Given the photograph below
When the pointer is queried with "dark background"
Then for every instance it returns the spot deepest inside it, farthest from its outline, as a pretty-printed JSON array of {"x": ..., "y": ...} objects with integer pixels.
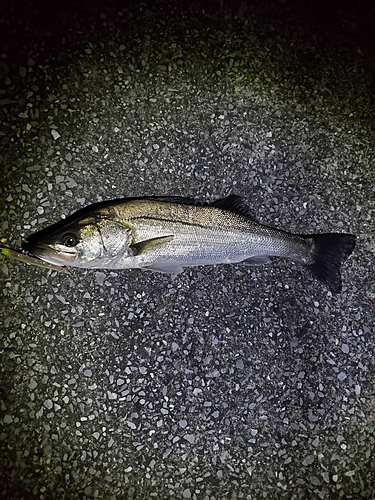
[{"x": 226, "y": 382}]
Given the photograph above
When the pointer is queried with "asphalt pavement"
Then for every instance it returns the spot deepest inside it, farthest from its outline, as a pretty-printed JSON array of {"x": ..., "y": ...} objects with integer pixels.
[{"x": 224, "y": 382}]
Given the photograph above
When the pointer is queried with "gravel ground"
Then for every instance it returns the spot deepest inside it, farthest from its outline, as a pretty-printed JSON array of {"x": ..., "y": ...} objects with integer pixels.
[{"x": 225, "y": 382}]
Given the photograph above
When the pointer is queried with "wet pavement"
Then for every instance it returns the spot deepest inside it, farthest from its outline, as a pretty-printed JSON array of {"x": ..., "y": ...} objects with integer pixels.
[{"x": 224, "y": 382}]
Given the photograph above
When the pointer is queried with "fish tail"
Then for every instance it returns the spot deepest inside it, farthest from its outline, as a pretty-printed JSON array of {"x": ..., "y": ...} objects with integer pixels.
[{"x": 329, "y": 251}]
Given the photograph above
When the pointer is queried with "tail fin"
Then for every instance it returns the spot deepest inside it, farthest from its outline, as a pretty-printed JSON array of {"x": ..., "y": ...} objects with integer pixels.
[{"x": 329, "y": 251}]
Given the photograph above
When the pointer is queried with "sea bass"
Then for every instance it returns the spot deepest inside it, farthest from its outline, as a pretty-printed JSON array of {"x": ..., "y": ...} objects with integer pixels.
[{"x": 168, "y": 234}]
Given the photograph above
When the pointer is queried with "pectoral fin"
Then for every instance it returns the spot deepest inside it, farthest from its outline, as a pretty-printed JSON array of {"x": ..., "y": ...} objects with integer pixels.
[{"x": 148, "y": 245}]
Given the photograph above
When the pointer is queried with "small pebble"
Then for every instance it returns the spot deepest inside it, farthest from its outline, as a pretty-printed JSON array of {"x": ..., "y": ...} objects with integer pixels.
[
  {"x": 55, "y": 134},
  {"x": 308, "y": 460},
  {"x": 32, "y": 384},
  {"x": 239, "y": 364},
  {"x": 48, "y": 404},
  {"x": 190, "y": 438},
  {"x": 345, "y": 348}
]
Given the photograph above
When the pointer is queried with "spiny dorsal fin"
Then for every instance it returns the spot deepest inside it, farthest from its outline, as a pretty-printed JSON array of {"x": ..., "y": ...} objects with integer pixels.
[
  {"x": 234, "y": 203},
  {"x": 183, "y": 200}
]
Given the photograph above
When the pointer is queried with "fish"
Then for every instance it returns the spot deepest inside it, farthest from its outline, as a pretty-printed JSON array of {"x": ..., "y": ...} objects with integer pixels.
[{"x": 168, "y": 234}]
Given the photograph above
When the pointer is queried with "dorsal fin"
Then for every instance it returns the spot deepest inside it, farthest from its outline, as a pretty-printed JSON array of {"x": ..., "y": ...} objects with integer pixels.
[
  {"x": 234, "y": 203},
  {"x": 183, "y": 200}
]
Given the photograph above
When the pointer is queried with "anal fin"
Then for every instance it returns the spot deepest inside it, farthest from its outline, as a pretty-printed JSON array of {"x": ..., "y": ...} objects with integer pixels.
[
  {"x": 258, "y": 260},
  {"x": 165, "y": 268}
]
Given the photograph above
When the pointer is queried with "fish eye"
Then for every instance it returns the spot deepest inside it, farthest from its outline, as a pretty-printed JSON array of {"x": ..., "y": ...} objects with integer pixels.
[{"x": 70, "y": 240}]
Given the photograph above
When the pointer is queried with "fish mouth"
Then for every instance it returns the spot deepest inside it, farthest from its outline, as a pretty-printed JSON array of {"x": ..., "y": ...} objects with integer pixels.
[{"x": 49, "y": 254}]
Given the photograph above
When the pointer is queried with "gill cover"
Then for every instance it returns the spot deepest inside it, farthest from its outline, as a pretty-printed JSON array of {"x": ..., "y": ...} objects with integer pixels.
[
  {"x": 100, "y": 241},
  {"x": 92, "y": 240}
]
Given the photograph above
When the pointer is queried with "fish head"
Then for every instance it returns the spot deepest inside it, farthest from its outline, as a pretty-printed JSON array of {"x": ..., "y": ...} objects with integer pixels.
[{"x": 93, "y": 241}]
